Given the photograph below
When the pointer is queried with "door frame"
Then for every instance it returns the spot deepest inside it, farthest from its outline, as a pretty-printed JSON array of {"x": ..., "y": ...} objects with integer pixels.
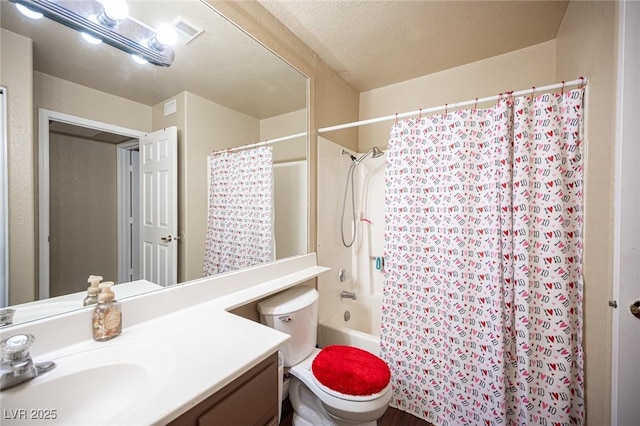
[
  {"x": 625, "y": 377},
  {"x": 44, "y": 117},
  {"x": 126, "y": 253}
]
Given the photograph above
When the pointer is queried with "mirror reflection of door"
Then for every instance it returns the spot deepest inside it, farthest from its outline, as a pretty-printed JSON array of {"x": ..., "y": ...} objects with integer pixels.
[
  {"x": 94, "y": 205},
  {"x": 159, "y": 206},
  {"x": 83, "y": 197}
]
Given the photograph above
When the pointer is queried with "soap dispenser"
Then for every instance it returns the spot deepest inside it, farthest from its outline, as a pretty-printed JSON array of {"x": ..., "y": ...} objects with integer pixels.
[
  {"x": 107, "y": 315},
  {"x": 93, "y": 290}
]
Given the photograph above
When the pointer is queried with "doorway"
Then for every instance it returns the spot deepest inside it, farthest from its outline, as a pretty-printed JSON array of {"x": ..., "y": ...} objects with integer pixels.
[{"x": 89, "y": 202}]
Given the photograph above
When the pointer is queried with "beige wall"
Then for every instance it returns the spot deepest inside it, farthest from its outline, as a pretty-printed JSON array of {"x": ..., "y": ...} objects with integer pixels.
[
  {"x": 532, "y": 66},
  {"x": 82, "y": 212},
  {"x": 60, "y": 95},
  {"x": 16, "y": 64},
  {"x": 284, "y": 125},
  {"x": 206, "y": 127},
  {"x": 586, "y": 46}
]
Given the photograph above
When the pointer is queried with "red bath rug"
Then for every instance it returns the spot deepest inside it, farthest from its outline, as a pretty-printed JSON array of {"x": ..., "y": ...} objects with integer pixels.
[{"x": 350, "y": 370}]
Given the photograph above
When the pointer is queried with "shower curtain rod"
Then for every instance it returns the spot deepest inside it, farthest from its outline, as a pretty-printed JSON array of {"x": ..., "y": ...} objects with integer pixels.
[
  {"x": 258, "y": 144},
  {"x": 579, "y": 81}
]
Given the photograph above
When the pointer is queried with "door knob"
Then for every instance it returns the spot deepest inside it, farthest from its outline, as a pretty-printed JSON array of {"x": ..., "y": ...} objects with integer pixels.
[
  {"x": 169, "y": 238},
  {"x": 635, "y": 309}
]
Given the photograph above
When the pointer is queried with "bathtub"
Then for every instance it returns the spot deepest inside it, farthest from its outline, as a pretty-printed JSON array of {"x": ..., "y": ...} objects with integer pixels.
[{"x": 333, "y": 334}]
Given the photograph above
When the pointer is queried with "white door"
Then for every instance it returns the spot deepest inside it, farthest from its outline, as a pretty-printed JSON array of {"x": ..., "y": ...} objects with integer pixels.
[
  {"x": 159, "y": 206},
  {"x": 626, "y": 347}
]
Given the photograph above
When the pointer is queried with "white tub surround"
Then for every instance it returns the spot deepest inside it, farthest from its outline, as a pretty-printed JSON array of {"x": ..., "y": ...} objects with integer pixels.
[
  {"x": 359, "y": 261},
  {"x": 203, "y": 346}
]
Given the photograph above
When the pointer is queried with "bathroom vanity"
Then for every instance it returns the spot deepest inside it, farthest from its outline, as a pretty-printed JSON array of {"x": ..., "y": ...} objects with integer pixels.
[
  {"x": 251, "y": 399},
  {"x": 182, "y": 358}
]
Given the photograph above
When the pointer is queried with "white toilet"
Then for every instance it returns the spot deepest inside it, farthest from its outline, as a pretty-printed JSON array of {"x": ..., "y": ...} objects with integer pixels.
[{"x": 344, "y": 386}]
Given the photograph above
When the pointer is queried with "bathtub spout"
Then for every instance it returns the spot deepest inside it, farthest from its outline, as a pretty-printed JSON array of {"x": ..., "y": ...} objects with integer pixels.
[{"x": 348, "y": 295}]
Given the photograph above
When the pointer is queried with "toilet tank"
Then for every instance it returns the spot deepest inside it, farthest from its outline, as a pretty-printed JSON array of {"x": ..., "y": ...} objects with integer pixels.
[{"x": 294, "y": 312}]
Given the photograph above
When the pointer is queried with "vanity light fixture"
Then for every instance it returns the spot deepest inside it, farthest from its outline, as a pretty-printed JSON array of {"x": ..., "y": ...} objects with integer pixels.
[{"x": 109, "y": 21}]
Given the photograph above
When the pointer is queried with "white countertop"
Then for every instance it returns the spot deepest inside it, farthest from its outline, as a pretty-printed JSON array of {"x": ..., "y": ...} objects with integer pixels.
[
  {"x": 204, "y": 346},
  {"x": 57, "y": 305}
]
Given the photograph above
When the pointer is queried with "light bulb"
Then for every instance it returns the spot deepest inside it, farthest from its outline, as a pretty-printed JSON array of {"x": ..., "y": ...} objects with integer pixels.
[
  {"x": 115, "y": 9},
  {"x": 166, "y": 35},
  {"x": 28, "y": 12},
  {"x": 90, "y": 39},
  {"x": 138, "y": 59}
]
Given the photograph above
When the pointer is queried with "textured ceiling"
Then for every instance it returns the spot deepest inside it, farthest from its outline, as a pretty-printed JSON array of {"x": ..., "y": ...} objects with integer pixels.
[
  {"x": 223, "y": 65},
  {"x": 370, "y": 43},
  {"x": 373, "y": 43}
]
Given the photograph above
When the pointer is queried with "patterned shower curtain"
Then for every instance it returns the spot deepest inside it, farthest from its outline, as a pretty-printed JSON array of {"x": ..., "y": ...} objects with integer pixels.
[
  {"x": 240, "y": 225},
  {"x": 482, "y": 305}
]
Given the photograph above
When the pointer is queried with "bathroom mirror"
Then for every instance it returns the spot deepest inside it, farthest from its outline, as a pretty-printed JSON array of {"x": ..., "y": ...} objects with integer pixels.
[{"x": 221, "y": 78}]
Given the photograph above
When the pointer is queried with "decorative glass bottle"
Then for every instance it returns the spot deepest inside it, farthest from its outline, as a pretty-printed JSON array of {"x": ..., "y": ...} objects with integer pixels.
[{"x": 107, "y": 315}]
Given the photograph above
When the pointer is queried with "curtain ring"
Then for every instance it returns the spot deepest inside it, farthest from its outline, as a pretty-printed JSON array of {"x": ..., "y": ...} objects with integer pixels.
[
  {"x": 475, "y": 106},
  {"x": 396, "y": 118},
  {"x": 420, "y": 114},
  {"x": 581, "y": 82},
  {"x": 446, "y": 109},
  {"x": 562, "y": 89}
]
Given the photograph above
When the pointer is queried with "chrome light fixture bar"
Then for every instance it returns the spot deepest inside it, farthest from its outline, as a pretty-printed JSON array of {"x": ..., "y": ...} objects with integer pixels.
[{"x": 89, "y": 16}]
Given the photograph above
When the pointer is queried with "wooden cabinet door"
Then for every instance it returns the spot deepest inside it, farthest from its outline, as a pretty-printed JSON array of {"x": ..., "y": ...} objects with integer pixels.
[{"x": 251, "y": 399}]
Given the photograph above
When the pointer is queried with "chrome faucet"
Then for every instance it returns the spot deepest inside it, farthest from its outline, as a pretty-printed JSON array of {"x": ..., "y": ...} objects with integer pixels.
[
  {"x": 348, "y": 295},
  {"x": 17, "y": 366}
]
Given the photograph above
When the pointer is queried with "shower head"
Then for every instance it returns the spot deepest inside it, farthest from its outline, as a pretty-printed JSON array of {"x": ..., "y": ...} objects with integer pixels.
[{"x": 375, "y": 151}]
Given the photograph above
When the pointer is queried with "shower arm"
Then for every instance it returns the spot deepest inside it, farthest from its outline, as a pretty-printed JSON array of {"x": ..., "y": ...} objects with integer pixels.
[{"x": 376, "y": 153}]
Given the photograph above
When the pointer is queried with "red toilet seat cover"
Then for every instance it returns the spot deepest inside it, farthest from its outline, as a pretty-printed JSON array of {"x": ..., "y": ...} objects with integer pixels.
[{"x": 350, "y": 370}]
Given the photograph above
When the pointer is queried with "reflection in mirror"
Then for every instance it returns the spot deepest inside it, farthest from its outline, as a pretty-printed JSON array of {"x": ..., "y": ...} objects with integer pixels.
[{"x": 223, "y": 90}]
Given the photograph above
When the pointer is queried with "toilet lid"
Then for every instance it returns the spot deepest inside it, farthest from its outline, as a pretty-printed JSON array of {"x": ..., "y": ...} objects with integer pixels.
[{"x": 350, "y": 371}]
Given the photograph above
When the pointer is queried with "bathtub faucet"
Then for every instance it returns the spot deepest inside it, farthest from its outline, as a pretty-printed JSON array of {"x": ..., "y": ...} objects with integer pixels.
[{"x": 348, "y": 295}]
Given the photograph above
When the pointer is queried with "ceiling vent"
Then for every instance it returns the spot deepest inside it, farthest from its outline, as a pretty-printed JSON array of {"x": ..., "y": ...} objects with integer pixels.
[{"x": 186, "y": 31}]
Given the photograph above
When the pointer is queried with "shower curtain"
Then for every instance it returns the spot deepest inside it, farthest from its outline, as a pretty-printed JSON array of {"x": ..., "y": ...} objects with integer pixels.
[
  {"x": 482, "y": 304},
  {"x": 240, "y": 224}
]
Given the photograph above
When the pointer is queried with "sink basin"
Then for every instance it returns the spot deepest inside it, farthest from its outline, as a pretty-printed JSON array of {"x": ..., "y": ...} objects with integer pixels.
[{"x": 94, "y": 386}]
